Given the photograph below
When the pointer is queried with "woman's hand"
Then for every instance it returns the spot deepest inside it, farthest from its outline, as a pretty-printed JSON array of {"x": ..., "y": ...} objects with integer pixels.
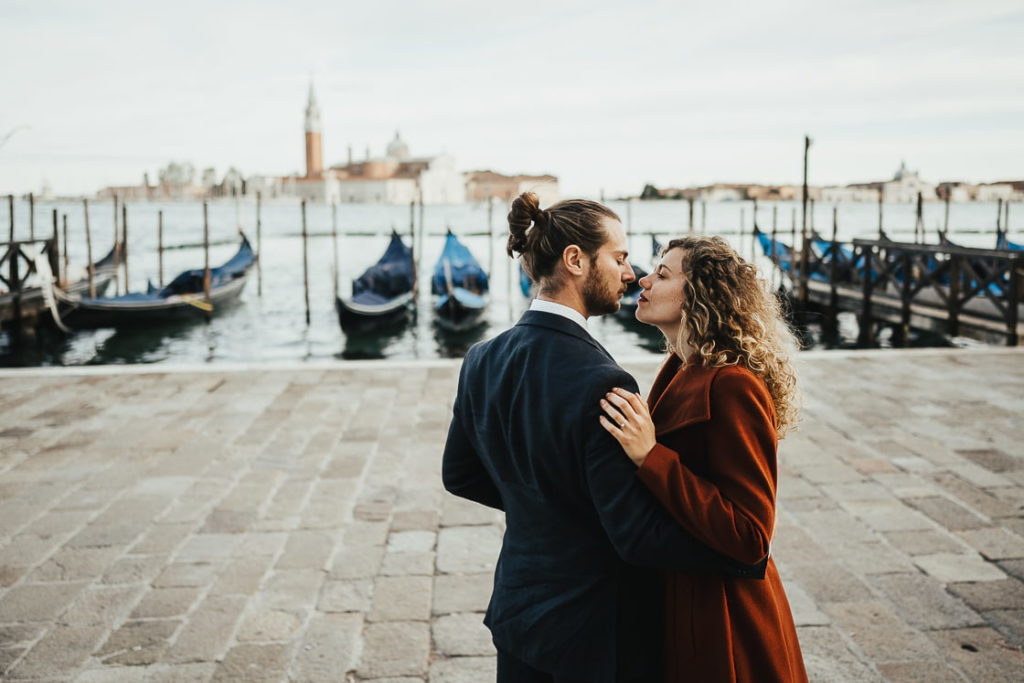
[{"x": 629, "y": 421}]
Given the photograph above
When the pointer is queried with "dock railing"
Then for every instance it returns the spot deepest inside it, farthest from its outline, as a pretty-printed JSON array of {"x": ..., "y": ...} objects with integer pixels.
[{"x": 932, "y": 281}]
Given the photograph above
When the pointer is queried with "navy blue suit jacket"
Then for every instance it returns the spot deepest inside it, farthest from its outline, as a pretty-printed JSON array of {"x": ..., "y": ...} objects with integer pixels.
[{"x": 570, "y": 595}]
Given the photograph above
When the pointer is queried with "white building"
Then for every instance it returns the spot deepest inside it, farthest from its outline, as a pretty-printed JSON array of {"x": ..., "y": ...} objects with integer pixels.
[{"x": 905, "y": 186}]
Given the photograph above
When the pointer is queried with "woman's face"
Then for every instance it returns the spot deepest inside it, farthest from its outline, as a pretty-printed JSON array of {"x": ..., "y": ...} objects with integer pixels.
[{"x": 661, "y": 302}]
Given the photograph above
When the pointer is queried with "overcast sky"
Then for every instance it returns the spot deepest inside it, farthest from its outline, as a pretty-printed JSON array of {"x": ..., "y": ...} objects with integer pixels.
[{"x": 607, "y": 95}]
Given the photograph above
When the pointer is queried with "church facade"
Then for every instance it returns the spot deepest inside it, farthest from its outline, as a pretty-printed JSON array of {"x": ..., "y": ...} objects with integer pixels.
[{"x": 397, "y": 177}]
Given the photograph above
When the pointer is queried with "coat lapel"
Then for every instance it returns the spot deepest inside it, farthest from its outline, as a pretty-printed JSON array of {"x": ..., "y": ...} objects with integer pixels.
[{"x": 680, "y": 396}]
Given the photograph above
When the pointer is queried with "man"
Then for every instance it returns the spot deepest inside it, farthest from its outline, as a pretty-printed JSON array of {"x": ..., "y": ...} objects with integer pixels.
[{"x": 570, "y": 602}]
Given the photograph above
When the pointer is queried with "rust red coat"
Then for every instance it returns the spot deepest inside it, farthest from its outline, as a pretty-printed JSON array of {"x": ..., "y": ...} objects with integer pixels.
[{"x": 714, "y": 469}]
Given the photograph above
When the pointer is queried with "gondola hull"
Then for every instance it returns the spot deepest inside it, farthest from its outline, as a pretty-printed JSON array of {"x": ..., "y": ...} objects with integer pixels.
[
  {"x": 460, "y": 311},
  {"x": 355, "y": 317},
  {"x": 182, "y": 299},
  {"x": 95, "y": 313}
]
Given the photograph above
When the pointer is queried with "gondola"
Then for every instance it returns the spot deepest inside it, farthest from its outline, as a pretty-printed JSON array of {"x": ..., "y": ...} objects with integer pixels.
[
  {"x": 384, "y": 295},
  {"x": 780, "y": 253},
  {"x": 460, "y": 287},
  {"x": 182, "y": 299}
]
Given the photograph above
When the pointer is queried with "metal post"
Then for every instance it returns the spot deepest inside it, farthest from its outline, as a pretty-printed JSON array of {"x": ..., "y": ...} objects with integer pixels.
[
  {"x": 305, "y": 261},
  {"x": 88, "y": 250}
]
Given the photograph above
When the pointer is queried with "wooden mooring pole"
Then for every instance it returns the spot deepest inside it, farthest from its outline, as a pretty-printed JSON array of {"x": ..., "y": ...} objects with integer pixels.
[
  {"x": 64, "y": 220},
  {"x": 10, "y": 212},
  {"x": 305, "y": 261},
  {"x": 833, "y": 295},
  {"x": 919, "y": 220},
  {"x": 703, "y": 217},
  {"x": 259, "y": 246},
  {"x": 88, "y": 250},
  {"x": 490, "y": 238},
  {"x": 124, "y": 239},
  {"x": 55, "y": 252},
  {"x": 945, "y": 222},
  {"x": 160, "y": 248},
  {"x": 689, "y": 201},
  {"x": 117, "y": 252},
  {"x": 881, "y": 196},
  {"x": 31, "y": 216},
  {"x": 206, "y": 259},
  {"x": 334, "y": 246},
  {"x": 803, "y": 229}
]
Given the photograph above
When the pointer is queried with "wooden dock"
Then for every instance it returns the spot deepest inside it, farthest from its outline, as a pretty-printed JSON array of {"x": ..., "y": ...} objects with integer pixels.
[
  {"x": 947, "y": 289},
  {"x": 288, "y": 523}
]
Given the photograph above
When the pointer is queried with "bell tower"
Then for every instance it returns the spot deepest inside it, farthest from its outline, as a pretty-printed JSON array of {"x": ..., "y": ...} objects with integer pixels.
[{"x": 314, "y": 146}]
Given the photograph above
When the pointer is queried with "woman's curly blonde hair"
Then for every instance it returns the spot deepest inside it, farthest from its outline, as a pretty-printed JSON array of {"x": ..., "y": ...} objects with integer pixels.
[{"x": 731, "y": 317}]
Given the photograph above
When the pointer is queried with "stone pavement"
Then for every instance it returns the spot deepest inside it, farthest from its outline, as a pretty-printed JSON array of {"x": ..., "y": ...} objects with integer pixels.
[{"x": 289, "y": 524}]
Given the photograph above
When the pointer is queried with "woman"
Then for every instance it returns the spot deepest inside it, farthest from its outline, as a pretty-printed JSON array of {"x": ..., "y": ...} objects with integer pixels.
[{"x": 705, "y": 445}]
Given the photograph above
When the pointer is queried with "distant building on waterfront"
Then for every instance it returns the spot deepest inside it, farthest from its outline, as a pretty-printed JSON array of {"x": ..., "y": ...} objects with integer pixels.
[
  {"x": 482, "y": 186},
  {"x": 394, "y": 178}
]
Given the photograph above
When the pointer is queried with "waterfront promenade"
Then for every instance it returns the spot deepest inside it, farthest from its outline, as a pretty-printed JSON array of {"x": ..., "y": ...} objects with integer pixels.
[{"x": 271, "y": 524}]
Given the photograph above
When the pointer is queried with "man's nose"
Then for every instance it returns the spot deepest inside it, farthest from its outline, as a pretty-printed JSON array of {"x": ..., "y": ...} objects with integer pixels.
[{"x": 629, "y": 275}]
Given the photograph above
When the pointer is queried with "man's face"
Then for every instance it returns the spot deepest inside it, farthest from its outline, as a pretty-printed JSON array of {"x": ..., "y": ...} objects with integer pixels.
[{"x": 609, "y": 273}]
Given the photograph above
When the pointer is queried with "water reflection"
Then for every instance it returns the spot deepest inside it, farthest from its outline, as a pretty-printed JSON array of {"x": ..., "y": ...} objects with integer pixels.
[
  {"x": 372, "y": 341},
  {"x": 455, "y": 343}
]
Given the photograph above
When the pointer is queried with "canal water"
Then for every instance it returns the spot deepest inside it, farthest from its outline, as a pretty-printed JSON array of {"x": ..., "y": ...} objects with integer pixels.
[{"x": 269, "y": 322}]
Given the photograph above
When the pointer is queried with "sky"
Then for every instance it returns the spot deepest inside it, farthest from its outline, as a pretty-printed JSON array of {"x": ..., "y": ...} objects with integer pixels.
[{"x": 606, "y": 95}]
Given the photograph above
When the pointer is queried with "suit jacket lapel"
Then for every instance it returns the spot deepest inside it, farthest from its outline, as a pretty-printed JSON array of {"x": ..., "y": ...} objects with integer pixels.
[{"x": 562, "y": 324}]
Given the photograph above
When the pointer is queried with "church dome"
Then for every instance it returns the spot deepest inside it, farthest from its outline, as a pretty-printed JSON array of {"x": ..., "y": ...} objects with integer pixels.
[{"x": 397, "y": 149}]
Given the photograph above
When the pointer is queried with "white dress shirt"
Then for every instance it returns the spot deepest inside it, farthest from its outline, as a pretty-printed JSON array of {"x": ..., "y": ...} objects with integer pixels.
[{"x": 560, "y": 309}]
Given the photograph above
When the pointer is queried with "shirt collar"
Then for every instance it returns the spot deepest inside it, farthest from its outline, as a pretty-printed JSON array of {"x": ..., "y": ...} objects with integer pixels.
[{"x": 559, "y": 309}]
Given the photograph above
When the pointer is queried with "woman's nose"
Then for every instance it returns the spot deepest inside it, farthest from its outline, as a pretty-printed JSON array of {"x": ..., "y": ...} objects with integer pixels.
[{"x": 645, "y": 282}]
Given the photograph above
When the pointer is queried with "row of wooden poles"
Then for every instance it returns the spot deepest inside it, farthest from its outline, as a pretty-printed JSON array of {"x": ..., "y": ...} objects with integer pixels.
[
  {"x": 60, "y": 237},
  {"x": 121, "y": 236}
]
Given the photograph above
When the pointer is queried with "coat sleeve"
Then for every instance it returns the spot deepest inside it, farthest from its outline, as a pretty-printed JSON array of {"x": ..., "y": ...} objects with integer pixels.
[
  {"x": 732, "y": 508},
  {"x": 641, "y": 532},
  {"x": 462, "y": 471}
]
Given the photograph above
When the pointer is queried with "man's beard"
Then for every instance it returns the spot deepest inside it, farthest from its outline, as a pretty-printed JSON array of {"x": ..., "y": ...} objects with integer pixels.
[{"x": 600, "y": 299}]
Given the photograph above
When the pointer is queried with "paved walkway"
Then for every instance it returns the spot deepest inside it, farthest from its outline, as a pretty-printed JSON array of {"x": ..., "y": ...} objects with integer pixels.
[{"x": 276, "y": 524}]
